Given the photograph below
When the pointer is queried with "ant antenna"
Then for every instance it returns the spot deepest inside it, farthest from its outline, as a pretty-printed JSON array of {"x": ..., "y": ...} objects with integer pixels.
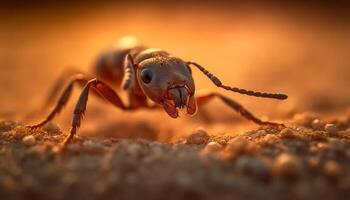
[
  {"x": 129, "y": 72},
  {"x": 218, "y": 83}
]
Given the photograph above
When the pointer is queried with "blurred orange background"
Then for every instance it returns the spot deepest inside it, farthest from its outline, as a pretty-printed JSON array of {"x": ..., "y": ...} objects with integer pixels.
[{"x": 299, "y": 49}]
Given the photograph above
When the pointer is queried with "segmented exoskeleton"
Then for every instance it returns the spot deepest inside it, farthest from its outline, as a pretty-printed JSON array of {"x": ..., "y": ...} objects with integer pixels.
[{"x": 145, "y": 73}]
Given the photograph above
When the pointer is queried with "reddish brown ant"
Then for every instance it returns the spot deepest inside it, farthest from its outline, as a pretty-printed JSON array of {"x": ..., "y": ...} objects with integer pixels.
[{"x": 146, "y": 73}]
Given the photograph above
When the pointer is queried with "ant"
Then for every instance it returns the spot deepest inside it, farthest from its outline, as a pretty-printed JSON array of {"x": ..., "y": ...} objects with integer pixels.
[{"x": 145, "y": 73}]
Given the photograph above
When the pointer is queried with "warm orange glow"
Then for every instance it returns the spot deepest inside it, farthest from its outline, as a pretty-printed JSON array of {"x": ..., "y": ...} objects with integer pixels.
[
  {"x": 249, "y": 46},
  {"x": 235, "y": 146}
]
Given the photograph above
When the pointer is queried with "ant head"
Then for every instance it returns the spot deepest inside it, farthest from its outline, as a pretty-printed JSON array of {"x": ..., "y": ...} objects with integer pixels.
[{"x": 168, "y": 81}]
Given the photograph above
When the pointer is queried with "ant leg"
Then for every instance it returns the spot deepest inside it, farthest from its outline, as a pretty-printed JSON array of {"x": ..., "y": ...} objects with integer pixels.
[
  {"x": 103, "y": 90},
  {"x": 202, "y": 99},
  {"x": 58, "y": 85},
  {"x": 79, "y": 78},
  {"x": 53, "y": 92}
]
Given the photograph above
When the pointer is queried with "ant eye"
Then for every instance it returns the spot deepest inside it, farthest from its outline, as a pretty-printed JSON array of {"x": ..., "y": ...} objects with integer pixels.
[{"x": 146, "y": 75}]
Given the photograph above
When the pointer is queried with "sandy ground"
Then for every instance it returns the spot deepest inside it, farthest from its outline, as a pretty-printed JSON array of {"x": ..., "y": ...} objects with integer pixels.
[
  {"x": 214, "y": 155},
  {"x": 310, "y": 159}
]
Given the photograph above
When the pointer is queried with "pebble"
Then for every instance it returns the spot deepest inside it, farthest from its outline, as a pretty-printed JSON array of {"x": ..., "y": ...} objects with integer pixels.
[
  {"x": 212, "y": 147},
  {"x": 237, "y": 145},
  {"x": 332, "y": 169},
  {"x": 288, "y": 166},
  {"x": 199, "y": 137},
  {"x": 331, "y": 129},
  {"x": 317, "y": 124},
  {"x": 29, "y": 140},
  {"x": 52, "y": 128},
  {"x": 287, "y": 133},
  {"x": 270, "y": 139}
]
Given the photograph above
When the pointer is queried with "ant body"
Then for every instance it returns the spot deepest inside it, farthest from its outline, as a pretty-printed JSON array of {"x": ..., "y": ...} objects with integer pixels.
[{"x": 146, "y": 73}]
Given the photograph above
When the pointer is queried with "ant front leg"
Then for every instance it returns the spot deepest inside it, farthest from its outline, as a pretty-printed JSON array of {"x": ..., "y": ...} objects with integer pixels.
[
  {"x": 204, "y": 98},
  {"x": 101, "y": 88}
]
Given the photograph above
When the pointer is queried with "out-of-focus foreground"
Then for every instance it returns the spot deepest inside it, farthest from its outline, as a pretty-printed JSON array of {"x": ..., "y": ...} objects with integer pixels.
[{"x": 301, "y": 50}]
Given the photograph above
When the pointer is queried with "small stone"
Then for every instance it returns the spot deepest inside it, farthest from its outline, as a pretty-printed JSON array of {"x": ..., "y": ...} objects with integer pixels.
[
  {"x": 52, "y": 128},
  {"x": 212, "y": 147},
  {"x": 317, "y": 124},
  {"x": 199, "y": 137},
  {"x": 288, "y": 167},
  {"x": 287, "y": 133},
  {"x": 29, "y": 140},
  {"x": 237, "y": 145},
  {"x": 331, "y": 129},
  {"x": 332, "y": 169},
  {"x": 270, "y": 139}
]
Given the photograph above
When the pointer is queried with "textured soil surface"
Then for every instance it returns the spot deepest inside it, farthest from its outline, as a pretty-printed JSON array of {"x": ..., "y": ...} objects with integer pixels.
[
  {"x": 310, "y": 159},
  {"x": 301, "y": 50}
]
